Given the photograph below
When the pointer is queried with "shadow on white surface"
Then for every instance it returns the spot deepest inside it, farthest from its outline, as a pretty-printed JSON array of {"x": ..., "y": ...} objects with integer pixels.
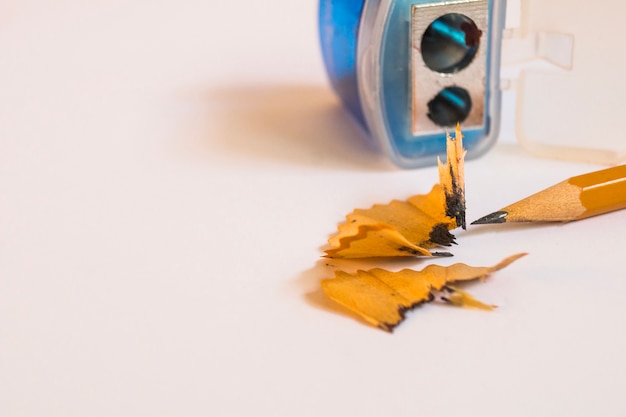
[
  {"x": 286, "y": 124},
  {"x": 485, "y": 229}
]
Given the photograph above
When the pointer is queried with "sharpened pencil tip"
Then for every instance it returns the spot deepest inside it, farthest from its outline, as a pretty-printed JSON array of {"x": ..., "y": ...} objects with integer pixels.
[
  {"x": 442, "y": 254},
  {"x": 495, "y": 217}
]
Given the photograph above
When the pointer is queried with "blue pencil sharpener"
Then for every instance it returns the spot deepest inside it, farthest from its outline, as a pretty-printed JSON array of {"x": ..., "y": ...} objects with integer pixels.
[{"x": 407, "y": 70}]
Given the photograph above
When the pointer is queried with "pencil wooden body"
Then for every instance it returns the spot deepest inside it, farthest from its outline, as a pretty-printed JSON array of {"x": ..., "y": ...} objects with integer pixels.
[
  {"x": 558, "y": 203},
  {"x": 602, "y": 191},
  {"x": 573, "y": 199}
]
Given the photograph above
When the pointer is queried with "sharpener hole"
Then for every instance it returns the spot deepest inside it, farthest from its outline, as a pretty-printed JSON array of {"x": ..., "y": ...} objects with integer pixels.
[
  {"x": 450, "y": 106},
  {"x": 450, "y": 43}
]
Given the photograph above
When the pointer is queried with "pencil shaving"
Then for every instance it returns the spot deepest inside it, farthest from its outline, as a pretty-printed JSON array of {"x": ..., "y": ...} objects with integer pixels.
[
  {"x": 412, "y": 227},
  {"x": 382, "y": 297}
]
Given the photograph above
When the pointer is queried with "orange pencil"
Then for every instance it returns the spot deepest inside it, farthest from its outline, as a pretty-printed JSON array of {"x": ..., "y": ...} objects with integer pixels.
[{"x": 573, "y": 199}]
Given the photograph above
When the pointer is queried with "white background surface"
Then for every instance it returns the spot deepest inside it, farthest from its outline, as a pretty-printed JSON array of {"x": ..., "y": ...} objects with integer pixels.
[{"x": 169, "y": 172}]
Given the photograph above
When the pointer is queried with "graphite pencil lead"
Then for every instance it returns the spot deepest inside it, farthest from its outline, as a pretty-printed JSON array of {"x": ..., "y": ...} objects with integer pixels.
[{"x": 495, "y": 217}]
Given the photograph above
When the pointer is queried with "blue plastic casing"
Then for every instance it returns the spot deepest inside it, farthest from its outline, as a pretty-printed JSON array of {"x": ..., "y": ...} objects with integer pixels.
[
  {"x": 339, "y": 29},
  {"x": 367, "y": 51}
]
